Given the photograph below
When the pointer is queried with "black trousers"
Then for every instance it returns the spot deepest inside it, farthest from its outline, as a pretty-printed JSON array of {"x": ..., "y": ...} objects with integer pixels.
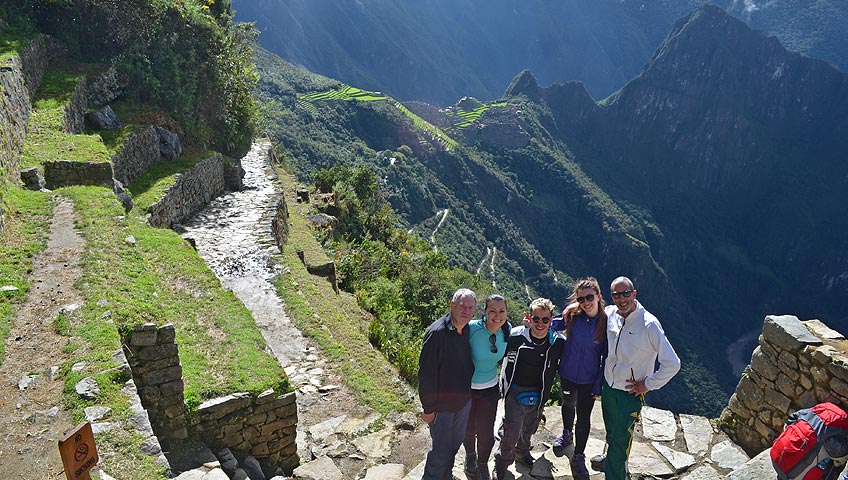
[
  {"x": 481, "y": 423},
  {"x": 577, "y": 398}
]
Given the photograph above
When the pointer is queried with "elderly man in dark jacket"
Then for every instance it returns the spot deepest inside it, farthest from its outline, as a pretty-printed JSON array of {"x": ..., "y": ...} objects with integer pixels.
[{"x": 444, "y": 383}]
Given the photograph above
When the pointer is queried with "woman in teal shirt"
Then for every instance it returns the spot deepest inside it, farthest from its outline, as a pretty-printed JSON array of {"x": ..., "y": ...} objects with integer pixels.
[{"x": 488, "y": 345}]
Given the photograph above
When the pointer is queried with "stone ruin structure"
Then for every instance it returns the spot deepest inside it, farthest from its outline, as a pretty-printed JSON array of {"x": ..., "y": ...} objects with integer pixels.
[{"x": 796, "y": 365}]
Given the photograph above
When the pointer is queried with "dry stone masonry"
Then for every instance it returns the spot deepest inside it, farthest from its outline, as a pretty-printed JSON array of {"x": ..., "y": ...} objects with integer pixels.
[
  {"x": 155, "y": 363},
  {"x": 63, "y": 173},
  {"x": 140, "y": 151},
  {"x": 191, "y": 191},
  {"x": 796, "y": 365}
]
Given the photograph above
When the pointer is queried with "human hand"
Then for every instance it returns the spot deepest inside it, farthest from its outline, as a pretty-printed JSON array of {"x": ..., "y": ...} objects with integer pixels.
[
  {"x": 636, "y": 387},
  {"x": 571, "y": 310},
  {"x": 428, "y": 418}
]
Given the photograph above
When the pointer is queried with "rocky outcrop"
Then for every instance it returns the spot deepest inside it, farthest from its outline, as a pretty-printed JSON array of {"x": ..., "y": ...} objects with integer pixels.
[
  {"x": 796, "y": 365},
  {"x": 103, "y": 88}
]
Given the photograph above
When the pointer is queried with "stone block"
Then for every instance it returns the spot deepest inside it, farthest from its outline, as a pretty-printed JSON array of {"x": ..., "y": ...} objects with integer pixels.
[
  {"x": 286, "y": 411},
  {"x": 157, "y": 352},
  {"x": 749, "y": 393},
  {"x": 265, "y": 397},
  {"x": 777, "y": 400},
  {"x": 789, "y": 371},
  {"x": 763, "y": 365},
  {"x": 175, "y": 410},
  {"x": 257, "y": 419},
  {"x": 735, "y": 406},
  {"x": 165, "y": 375},
  {"x": 823, "y": 355},
  {"x": 805, "y": 382},
  {"x": 785, "y": 384},
  {"x": 219, "y": 407},
  {"x": 789, "y": 360},
  {"x": 167, "y": 334},
  {"x": 260, "y": 450},
  {"x": 768, "y": 350},
  {"x": 143, "y": 335},
  {"x": 787, "y": 333},
  {"x": 839, "y": 387},
  {"x": 822, "y": 331},
  {"x": 838, "y": 366},
  {"x": 819, "y": 374}
]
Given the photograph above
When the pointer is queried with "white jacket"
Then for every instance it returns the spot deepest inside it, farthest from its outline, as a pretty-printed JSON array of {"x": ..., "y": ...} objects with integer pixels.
[{"x": 635, "y": 343}]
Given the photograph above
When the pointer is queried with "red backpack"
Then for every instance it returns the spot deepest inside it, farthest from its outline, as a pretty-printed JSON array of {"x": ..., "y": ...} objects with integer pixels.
[{"x": 812, "y": 440}]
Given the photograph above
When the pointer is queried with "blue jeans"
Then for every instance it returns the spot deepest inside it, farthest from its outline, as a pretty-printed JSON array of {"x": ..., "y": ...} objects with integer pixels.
[{"x": 447, "y": 432}]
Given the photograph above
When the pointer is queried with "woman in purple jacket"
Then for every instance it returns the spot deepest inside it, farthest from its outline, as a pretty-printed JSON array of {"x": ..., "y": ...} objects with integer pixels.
[{"x": 581, "y": 369}]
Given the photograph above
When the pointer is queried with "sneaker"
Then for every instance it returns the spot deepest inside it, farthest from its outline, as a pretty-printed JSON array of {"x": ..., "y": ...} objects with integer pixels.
[
  {"x": 562, "y": 442},
  {"x": 525, "y": 459},
  {"x": 578, "y": 467}
]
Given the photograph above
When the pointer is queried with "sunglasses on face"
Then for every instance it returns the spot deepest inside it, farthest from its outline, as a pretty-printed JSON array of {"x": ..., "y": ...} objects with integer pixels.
[
  {"x": 587, "y": 298},
  {"x": 544, "y": 320},
  {"x": 492, "y": 340},
  {"x": 626, "y": 294}
]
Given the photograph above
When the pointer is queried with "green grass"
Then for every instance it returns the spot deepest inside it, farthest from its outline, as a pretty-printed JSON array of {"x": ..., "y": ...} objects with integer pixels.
[
  {"x": 348, "y": 93},
  {"x": 150, "y": 187},
  {"x": 159, "y": 279},
  {"x": 335, "y": 321},
  {"x": 27, "y": 228},
  {"x": 468, "y": 117},
  {"x": 46, "y": 140},
  {"x": 12, "y": 43}
]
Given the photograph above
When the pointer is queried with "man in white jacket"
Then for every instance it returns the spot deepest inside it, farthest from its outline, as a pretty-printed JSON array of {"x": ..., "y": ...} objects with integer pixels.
[{"x": 636, "y": 342}]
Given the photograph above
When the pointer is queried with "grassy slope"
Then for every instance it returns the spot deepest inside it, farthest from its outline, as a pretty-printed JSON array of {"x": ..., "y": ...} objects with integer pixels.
[
  {"x": 335, "y": 321},
  {"x": 132, "y": 273}
]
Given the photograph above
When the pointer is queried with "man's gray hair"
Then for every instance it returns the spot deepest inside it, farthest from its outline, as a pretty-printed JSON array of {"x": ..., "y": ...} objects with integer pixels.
[
  {"x": 463, "y": 292},
  {"x": 622, "y": 280}
]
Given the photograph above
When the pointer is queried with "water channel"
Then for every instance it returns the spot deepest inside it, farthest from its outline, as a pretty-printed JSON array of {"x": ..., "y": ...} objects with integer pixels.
[{"x": 233, "y": 236}]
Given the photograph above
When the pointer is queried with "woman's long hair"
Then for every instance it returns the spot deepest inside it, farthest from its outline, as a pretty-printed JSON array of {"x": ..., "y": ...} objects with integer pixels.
[{"x": 601, "y": 329}]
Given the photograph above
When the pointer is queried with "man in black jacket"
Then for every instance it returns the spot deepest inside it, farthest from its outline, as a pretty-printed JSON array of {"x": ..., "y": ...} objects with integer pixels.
[
  {"x": 445, "y": 369},
  {"x": 530, "y": 366}
]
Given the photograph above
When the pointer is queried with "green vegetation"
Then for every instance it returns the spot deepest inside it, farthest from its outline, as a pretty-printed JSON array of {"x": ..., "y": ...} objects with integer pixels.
[
  {"x": 470, "y": 116},
  {"x": 185, "y": 56},
  {"x": 348, "y": 93},
  {"x": 25, "y": 236},
  {"x": 335, "y": 321},
  {"x": 47, "y": 139}
]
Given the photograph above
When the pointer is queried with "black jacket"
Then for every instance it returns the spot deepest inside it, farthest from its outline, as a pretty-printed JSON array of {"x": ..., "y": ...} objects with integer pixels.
[
  {"x": 519, "y": 340},
  {"x": 445, "y": 368}
]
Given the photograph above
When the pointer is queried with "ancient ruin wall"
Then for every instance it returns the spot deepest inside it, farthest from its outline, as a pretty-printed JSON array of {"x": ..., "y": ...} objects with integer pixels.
[
  {"x": 191, "y": 191},
  {"x": 64, "y": 173},
  {"x": 796, "y": 365},
  {"x": 139, "y": 152},
  {"x": 264, "y": 426}
]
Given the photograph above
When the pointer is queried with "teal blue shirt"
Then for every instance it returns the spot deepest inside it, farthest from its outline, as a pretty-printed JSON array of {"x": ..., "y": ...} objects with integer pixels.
[{"x": 485, "y": 361}]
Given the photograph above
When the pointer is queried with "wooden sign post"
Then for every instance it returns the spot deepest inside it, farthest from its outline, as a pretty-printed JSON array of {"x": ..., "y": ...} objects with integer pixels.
[{"x": 79, "y": 454}]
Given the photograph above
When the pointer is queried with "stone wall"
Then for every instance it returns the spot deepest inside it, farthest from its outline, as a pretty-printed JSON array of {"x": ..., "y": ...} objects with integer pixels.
[
  {"x": 155, "y": 363},
  {"x": 796, "y": 365},
  {"x": 191, "y": 191},
  {"x": 139, "y": 152},
  {"x": 102, "y": 89},
  {"x": 264, "y": 427},
  {"x": 64, "y": 173},
  {"x": 75, "y": 109}
]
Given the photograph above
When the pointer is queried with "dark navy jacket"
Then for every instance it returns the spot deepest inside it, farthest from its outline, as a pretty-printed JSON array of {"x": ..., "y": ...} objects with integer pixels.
[{"x": 445, "y": 368}]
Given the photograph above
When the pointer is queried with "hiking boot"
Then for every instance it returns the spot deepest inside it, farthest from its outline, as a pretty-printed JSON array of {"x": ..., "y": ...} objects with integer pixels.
[
  {"x": 471, "y": 469},
  {"x": 598, "y": 462},
  {"x": 524, "y": 459},
  {"x": 562, "y": 442},
  {"x": 482, "y": 471},
  {"x": 578, "y": 467}
]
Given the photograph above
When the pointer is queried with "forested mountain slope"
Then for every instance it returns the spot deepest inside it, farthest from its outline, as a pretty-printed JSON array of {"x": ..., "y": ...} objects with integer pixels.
[
  {"x": 441, "y": 50},
  {"x": 709, "y": 179}
]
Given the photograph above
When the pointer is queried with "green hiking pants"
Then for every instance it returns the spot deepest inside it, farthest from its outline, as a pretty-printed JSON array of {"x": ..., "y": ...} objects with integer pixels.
[{"x": 620, "y": 410}]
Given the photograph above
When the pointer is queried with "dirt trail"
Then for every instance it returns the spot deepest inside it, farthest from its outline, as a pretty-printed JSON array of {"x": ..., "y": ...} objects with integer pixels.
[{"x": 29, "y": 430}]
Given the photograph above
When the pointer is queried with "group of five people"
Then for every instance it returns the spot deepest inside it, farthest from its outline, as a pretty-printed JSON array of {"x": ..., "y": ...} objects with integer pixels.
[{"x": 599, "y": 351}]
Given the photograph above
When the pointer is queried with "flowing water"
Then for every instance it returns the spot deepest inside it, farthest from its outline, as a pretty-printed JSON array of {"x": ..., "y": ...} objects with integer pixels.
[{"x": 233, "y": 236}]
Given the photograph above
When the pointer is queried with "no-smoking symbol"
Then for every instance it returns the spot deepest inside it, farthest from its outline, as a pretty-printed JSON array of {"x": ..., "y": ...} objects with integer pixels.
[{"x": 81, "y": 452}]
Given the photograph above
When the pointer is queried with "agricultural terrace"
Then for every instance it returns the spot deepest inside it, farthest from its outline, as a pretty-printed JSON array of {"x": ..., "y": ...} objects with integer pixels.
[
  {"x": 348, "y": 93},
  {"x": 470, "y": 116}
]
